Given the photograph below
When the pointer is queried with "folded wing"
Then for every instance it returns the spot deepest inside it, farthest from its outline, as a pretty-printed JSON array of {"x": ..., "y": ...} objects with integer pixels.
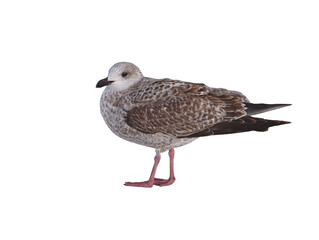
[{"x": 182, "y": 109}]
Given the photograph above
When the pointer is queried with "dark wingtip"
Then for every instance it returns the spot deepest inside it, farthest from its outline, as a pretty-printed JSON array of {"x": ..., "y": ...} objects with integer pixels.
[
  {"x": 244, "y": 124},
  {"x": 284, "y": 105},
  {"x": 282, "y": 122},
  {"x": 257, "y": 108},
  {"x": 285, "y": 122}
]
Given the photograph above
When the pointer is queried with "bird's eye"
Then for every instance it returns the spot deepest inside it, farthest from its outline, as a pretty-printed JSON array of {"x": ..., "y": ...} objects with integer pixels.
[{"x": 124, "y": 74}]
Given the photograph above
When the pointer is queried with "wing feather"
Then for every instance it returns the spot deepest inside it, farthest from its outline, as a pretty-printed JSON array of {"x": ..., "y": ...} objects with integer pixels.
[{"x": 180, "y": 109}]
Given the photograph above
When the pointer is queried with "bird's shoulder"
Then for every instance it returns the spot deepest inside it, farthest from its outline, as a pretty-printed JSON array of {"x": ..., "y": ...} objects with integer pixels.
[{"x": 152, "y": 90}]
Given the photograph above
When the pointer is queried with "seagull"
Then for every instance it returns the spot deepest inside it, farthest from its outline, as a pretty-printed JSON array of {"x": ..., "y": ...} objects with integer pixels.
[{"x": 165, "y": 114}]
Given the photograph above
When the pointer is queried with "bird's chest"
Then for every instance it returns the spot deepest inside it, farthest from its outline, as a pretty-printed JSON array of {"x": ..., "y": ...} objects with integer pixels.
[{"x": 112, "y": 113}]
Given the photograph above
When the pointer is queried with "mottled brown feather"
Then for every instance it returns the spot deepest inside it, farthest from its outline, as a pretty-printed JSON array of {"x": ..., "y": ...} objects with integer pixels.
[{"x": 180, "y": 109}]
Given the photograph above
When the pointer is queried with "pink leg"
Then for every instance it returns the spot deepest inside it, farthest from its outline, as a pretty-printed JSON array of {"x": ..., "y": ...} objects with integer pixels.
[
  {"x": 166, "y": 182},
  {"x": 150, "y": 181}
]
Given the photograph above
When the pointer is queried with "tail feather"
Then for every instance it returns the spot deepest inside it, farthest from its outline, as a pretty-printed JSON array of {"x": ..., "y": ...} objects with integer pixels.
[
  {"x": 257, "y": 108},
  {"x": 244, "y": 124}
]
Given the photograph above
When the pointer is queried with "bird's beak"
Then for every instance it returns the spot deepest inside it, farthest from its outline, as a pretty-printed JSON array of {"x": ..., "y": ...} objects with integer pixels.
[{"x": 103, "y": 82}]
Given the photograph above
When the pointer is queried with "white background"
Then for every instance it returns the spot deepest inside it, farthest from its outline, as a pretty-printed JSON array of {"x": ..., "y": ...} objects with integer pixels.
[{"x": 62, "y": 170}]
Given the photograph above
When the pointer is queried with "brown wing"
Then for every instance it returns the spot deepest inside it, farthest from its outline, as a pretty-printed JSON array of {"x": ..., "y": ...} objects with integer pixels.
[
  {"x": 185, "y": 114},
  {"x": 150, "y": 91}
]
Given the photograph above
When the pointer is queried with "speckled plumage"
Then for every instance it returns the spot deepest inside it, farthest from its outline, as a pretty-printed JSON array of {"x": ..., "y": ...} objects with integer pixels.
[
  {"x": 115, "y": 109},
  {"x": 158, "y": 112},
  {"x": 165, "y": 114}
]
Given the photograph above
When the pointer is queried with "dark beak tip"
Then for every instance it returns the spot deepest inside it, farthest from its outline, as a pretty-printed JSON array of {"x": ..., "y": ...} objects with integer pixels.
[
  {"x": 98, "y": 85},
  {"x": 102, "y": 83}
]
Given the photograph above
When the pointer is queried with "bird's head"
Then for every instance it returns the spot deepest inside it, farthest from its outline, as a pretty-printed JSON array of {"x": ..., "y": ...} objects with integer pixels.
[{"x": 121, "y": 77}]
